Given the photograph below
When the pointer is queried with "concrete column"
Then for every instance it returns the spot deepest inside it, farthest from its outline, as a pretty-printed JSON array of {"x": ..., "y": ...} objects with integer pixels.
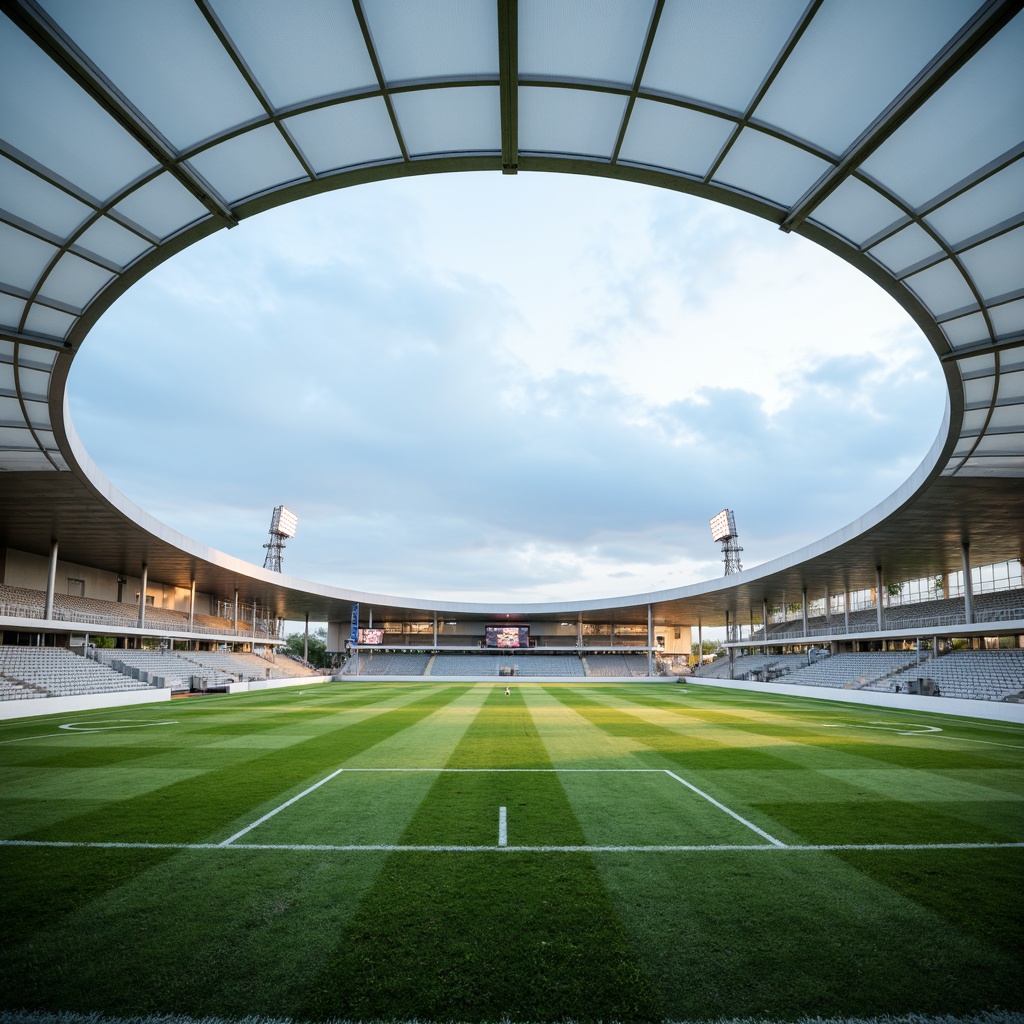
[
  {"x": 700, "y": 644},
  {"x": 828, "y": 610},
  {"x": 879, "y": 598},
  {"x": 846, "y": 610},
  {"x": 732, "y": 662},
  {"x": 254, "y": 618},
  {"x": 764, "y": 617},
  {"x": 650, "y": 642},
  {"x": 142, "y": 595},
  {"x": 192, "y": 607},
  {"x": 235, "y": 619},
  {"x": 51, "y": 582},
  {"x": 965, "y": 552},
  {"x": 435, "y": 629},
  {"x": 305, "y": 641},
  {"x": 803, "y": 609},
  {"x": 579, "y": 630}
]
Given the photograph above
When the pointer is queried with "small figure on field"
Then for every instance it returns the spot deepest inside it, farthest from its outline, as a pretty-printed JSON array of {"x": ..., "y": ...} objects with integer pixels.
[{"x": 508, "y": 692}]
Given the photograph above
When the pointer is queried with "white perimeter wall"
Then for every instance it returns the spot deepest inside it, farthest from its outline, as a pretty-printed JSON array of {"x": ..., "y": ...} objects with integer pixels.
[
  {"x": 86, "y": 702},
  {"x": 996, "y": 711}
]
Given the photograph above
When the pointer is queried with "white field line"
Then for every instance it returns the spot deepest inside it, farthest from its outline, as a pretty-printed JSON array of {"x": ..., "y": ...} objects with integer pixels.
[
  {"x": 499, "y": 770},
  {"x": 502, "y": 827},
  {"x": 391, "y": 848},
  {"x": 287, "y": 803},
  {"x": 722, "y": 807}
]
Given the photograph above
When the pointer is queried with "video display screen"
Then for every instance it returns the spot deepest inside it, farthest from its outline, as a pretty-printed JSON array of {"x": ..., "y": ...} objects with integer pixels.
[
  {"x": 371, "y": 636},
  {"x": 507, "y": 636}
]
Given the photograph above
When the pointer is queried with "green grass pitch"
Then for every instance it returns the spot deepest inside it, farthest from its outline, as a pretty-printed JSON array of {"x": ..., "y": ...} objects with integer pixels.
[{"x": 579, "y": 851}]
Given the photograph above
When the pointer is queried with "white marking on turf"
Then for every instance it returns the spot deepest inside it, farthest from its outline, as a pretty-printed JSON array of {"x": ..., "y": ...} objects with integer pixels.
[
  {"x": 502, "y": 827},
  {"x": 287, "y": 803},
  {"x": 389, "y": 848},
  {"x": 86, "y": 727},
  {"x": 722, "y": 807}
]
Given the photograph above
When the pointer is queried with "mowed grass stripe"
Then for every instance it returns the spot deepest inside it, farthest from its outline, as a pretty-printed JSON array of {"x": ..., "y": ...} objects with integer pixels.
[
  {"x": 212, "y": 805},
  {"x": 364, "y": 806},
  {"x": 835, "y": 809},
  {"x": 446, "y": 937}
]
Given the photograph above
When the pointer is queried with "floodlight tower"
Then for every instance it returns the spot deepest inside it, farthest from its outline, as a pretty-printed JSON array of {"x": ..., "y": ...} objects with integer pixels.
[
  {"x": 282, "y": 526},
  {"x": 723, "y": 531}
]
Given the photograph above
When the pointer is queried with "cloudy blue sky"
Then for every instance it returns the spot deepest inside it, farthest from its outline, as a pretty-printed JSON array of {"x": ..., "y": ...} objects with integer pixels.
[{"x": 477, "y": 387}]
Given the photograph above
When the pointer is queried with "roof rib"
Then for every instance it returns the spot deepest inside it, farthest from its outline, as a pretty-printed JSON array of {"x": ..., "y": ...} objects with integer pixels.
[{"x": 992, "y": 17}]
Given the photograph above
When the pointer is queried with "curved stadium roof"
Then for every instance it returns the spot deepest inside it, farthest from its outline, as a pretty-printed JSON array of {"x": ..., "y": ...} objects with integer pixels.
[{"x": 892, "y": 134}]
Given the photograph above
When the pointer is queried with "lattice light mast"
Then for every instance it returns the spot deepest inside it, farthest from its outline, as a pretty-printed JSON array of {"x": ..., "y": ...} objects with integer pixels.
[
  {"x": 723, "y": 531},
  {"x": 282, "y": 526}
]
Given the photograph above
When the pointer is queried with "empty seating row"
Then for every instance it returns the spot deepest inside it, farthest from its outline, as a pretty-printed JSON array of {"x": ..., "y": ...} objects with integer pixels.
[{"x": 56, "y": 671}]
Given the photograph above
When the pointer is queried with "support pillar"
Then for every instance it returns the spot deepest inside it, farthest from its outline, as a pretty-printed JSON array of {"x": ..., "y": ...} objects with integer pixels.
[
  {"x": 879, "y": 598},
  {"x": 828, "y": 610},
  {"x": 435, "y": 629},
  {"x": 803, "y": 610},
  {"x": 579, "y": 630},
  {"x": 700, "y": 645},
  {"x": 234, "y": 621},
  {"x": 965, "y": 552},
  {"x": 192, "y": 607},
  {"x": 732, "y": 662},
  {"x": 764, "y": 617},
  {"x": 846, "y": 610},
  {"x": 142, "y": 595},
  {"x": 305, "y": 641},
  {"x": 51, "y": 582},
  {"x": 650, "y": 642}
]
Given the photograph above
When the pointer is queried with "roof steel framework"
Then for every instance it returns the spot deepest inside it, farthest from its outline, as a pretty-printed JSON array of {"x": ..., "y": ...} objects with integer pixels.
[{"x": 892, "y": 134}]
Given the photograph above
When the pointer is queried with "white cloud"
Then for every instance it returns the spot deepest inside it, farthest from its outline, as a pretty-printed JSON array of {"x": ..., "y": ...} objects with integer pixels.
[{"x": 480, "y": 387}]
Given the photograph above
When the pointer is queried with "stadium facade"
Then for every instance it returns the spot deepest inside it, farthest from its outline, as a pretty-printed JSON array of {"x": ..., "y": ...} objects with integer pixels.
[{"x": 890, "y": 134}]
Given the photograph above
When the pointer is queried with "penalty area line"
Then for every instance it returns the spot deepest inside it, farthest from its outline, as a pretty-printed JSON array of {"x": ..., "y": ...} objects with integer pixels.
[
  {"x": 732, "y": 814},
  {"x": 287, "y": 803}
]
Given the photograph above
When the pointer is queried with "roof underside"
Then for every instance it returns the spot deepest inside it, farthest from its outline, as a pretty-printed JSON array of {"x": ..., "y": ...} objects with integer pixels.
[{"x": 892, "y": 134}]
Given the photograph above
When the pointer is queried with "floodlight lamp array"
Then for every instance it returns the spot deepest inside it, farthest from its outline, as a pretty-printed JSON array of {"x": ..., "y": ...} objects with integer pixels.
[
  {"x": 723, "y": 526},
  {"x": 283, "y": 522}
]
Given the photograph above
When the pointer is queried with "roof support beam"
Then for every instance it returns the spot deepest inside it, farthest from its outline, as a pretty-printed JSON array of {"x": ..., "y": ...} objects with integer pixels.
[
  {"x": 508, "y": 83},
  {"x": 47, "y": 35},
  {"x": 992, "y": 17}
]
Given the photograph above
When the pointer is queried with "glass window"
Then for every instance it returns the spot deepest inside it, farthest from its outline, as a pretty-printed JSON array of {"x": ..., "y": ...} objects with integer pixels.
[
  {"x": 996, "y": 266},
  {"x": 1008, "y": 318},
  {"x": 662, "y": 135},
  {"x": 852, "y": 61},
  {"x": 856, "y": 211},
  {"x": 596, "y": 40},
  {"x": 965, "y": 330},
  {"x": 975, "y": 117},
  {"x": 941, "y": 288},
  {"x": 23, "y": 257},
  {"x": 15, "y": 437},
  {"x": 162, "y": 206},
  {"x": 299, "y": 51},
  {"x": 108, "y": 239},
  {"x": 988, "y": 203},
  {"x": 434, "y": 38},
  {"x": 978, "y": 390},
  {"x": 38, "y": 416},
  {"x": 1011, "y": 386},
  {"x": 51, "y": 322},
  {"x": 359, "y": 132},
  {"x": 450, "y": 120},
  {"x": 721, "y": 59},
  {"x": 11, "y": 310},
  {"x": 10, "y": 407},
  {"x": 907, "y": 247},
  {"x": 569, "y": 121},
  {"x": 37, "y": 201},
  {"x": 1005, "y": 416},
  {"x": 75, "y": 281},
  {"x": 766, "y": 167},
  {"x": 249, "y": 163},
  {"x": 165, "y": 58},
  {"x": 974, "y": 364},
  {"x": 45, "y": 115}
]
